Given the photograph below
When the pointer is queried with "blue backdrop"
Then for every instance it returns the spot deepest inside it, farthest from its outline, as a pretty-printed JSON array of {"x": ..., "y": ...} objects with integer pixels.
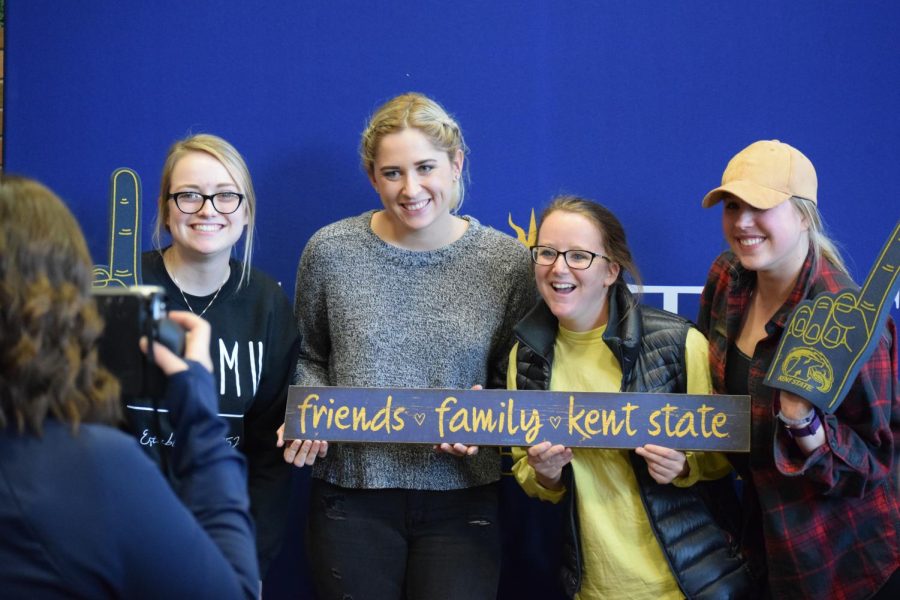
[{"x": 637, "y": 104}]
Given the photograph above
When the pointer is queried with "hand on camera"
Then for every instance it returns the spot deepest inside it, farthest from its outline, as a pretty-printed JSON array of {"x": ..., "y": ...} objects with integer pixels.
[
  {"x": 196, "y": 344},
  {"x": 301, "y": 452}
]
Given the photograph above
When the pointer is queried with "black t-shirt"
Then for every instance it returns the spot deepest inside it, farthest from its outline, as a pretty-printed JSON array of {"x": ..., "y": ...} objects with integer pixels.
[{"x": 254, "y": 345}]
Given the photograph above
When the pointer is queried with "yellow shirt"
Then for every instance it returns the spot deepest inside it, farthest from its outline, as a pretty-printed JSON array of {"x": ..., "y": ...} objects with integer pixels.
[{"x": 622, "y": 558}]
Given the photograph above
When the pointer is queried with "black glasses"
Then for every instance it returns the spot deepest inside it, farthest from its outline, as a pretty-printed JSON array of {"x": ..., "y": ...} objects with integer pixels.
[
  {"x": 575, "y": 259},
  {"x": 192, "y": 202}
]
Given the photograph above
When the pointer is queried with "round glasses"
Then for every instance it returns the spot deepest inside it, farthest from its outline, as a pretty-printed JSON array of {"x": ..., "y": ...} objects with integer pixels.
[
  {"x": 575, "y": 259},
  {"x": 192, "y": 202}
]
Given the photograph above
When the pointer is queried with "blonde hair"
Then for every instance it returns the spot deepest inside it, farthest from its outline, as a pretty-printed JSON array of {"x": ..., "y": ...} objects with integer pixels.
[
  {"x": 233, "y": 162},
  {"x": 416, "y": 111},
  {"x": 821, "y": 244}
]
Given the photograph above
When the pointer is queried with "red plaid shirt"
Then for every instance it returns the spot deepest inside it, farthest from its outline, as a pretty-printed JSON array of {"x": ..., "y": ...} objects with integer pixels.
[{"x": 825, "y": 525}]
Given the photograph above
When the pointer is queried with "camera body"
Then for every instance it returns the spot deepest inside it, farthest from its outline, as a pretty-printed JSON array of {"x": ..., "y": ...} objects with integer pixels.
[{"x": 129, "y": 314}]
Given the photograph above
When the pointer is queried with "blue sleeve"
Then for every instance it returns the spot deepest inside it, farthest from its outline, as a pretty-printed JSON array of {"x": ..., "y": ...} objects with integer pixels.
[{"x": 202, "y": 546}]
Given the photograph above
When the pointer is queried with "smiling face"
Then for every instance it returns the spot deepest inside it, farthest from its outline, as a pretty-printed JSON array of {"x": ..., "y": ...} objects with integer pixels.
[
  {"x": 576, "y": 297},
  {"x": 206, "y": 233},
  {"x": 416, "y": 183},
  {"x": 773, "y": 241}
]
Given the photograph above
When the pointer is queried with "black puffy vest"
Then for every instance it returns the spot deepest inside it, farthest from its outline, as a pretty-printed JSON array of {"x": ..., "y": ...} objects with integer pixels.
[{"x": 702, "y": 556}]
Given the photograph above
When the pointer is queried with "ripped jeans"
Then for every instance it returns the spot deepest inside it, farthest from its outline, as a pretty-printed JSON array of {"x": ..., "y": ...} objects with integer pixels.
[{"x": 395, "y": 544}]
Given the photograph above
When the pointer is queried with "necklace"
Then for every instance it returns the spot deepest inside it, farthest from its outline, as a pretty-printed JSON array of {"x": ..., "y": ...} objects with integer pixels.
[{"x": 183, "y": 297}]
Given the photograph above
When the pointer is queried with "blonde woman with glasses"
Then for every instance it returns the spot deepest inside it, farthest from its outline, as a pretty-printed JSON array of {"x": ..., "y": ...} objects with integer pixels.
[{"x": 207, "y": 209}]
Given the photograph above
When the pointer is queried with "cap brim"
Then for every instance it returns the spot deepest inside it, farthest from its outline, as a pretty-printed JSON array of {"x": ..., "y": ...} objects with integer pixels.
[{"x": 752, "y": 193}]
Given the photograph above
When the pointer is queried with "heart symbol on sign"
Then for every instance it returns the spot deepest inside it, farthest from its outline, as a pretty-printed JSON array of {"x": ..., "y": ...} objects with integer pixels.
[
  {"x": 420, "y": 418},
  {"x": 555, "y": 421}
]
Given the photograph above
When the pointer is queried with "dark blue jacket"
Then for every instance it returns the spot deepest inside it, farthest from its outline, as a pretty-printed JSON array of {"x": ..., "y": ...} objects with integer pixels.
[{"x": 88, "y": 515}]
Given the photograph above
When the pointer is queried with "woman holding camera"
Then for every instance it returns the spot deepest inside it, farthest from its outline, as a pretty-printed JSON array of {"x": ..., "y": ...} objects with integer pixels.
[
  {"x": 207, "y": 205},
  {"x": 83, "y": 512}
]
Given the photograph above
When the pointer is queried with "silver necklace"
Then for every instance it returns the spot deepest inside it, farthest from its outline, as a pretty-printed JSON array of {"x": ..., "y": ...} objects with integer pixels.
[{"x": 183, "y": 297}]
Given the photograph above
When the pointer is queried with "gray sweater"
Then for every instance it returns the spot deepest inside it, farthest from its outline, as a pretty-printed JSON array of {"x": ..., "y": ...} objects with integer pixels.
[{"x": 374, "y": 315}]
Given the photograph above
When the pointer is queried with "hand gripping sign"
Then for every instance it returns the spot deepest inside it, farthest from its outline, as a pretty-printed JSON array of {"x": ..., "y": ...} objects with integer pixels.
[
  {"x": 828, "y": 339},
  {"x": 124, "y": 267}
]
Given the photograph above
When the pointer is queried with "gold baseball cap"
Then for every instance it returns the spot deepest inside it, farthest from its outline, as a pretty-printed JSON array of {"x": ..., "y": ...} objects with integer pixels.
[{"x": 765, "y": 174}]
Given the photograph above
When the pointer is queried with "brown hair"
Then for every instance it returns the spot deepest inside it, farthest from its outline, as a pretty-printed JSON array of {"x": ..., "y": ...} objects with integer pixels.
[
  {"x": 48, "y": 321},
  {"x": 415, "y": 111},
  {"x": 610, "y": 228},
  {"x": 233, "y": 162}
]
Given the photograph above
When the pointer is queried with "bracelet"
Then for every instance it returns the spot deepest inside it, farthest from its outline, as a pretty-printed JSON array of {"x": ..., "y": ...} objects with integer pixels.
[
  {"x": 811, "y": 428},
  {"x": 803, "y": 422}
]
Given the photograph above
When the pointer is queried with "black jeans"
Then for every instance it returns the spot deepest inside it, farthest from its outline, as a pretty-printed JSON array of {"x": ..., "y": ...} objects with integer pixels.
[{"x": 393, "y": 544}]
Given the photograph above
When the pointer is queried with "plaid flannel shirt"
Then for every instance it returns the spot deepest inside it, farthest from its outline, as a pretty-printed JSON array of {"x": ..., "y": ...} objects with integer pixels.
[{"x": 825, "y": 525}]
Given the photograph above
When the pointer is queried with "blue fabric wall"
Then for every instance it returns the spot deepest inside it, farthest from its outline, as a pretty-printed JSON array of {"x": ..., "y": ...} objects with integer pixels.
[{"x": 637, "y": 104}]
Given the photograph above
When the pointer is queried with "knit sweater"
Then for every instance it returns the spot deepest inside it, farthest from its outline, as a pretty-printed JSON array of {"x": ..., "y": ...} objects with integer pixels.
[{"x": 375, "y": 315}]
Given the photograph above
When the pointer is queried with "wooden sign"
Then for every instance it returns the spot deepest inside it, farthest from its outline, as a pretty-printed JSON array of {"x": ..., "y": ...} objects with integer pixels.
[
  {"x": 828, "y": 339},
  {"x": 518, "y": 418}
]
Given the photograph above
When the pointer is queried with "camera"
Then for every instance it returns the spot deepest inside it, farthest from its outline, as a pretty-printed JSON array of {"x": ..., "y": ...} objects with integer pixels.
[{"x": 131, "y": 313}]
